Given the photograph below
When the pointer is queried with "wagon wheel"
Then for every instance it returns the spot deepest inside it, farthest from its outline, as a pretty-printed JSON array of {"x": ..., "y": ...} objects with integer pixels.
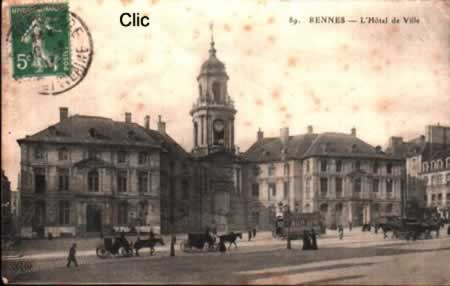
[
  {"x": 102, "y": 252},
  {"x": 122, "y": 252}
]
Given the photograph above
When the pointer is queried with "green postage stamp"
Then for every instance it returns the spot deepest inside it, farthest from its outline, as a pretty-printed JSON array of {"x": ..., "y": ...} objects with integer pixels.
[{"x": 40, "y": 40}]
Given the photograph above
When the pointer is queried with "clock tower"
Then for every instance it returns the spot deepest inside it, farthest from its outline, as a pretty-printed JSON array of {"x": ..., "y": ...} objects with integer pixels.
[{"x": 213, "y": 112}]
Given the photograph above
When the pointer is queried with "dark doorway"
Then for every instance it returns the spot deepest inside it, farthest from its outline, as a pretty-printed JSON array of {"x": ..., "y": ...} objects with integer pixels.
[
  {"x": 93, "y": 219},
  {"x": 39, "y": 218}
]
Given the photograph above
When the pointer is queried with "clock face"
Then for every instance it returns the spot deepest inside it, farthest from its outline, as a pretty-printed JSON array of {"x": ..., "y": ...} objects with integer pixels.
[{"x": 218, "y": 125}]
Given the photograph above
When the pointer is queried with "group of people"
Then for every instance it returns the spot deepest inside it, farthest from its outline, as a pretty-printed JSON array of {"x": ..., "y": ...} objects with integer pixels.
[{"x": 309, "y": 240}]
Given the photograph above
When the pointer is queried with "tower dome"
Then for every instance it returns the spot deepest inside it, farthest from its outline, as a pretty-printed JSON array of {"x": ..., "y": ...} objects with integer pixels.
[{"x": 212, "y": 65}]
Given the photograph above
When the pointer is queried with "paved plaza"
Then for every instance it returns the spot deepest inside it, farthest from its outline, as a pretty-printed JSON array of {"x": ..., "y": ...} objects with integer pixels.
[{"x": 360, "y": 258}]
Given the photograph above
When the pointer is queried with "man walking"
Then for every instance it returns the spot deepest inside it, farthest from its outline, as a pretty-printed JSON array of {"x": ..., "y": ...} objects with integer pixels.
[
  {"x": 254, "y": 231},
  {"x": 341, "y": 231},
  {"x": 314, "y": 239},
  {"x": 350, "y": 225},
  {"x": 249, "y": 234},
  {"x": 72, "y": 258}
]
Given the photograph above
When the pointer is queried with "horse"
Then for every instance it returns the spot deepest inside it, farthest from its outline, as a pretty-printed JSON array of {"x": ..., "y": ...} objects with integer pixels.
[
  {"x": 231, "y": 238},
  {"x": 386, "y": 228},
  {"x": 141, "y": 243}
]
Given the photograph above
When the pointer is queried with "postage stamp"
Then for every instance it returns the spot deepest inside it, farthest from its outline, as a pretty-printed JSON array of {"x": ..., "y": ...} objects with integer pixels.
[{"x": 40, "y": 40}]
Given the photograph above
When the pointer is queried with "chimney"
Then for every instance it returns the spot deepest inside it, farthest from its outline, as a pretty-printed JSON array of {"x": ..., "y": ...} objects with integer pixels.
[
  {"x": 260, "y": 135},
  {"x": 63, "y": 113},
  {"x": 310, "y": 129},
  {"x": 128, "y": 117},
  {"x": 284, "y": 135},
  {"x": 354, "y": 131},
  {"x": 161, "y": 125},
  {"x": 147, "y": 122},
  {"x": 394, "y": 143}
]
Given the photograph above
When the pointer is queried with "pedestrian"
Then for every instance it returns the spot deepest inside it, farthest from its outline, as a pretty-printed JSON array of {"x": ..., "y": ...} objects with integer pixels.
[
  {"x": 314, "y": 240},
  {"x": 173, "y": 240},
  {"x": 350, "y": 225},
  {"x": 71, "y": 258},
  {"x": 222, "y": 247},
  {"x": 448, "y": 229},
  {"x": 306, "y": 241},
  {"x": 341, "y": 231},
  {"x": 249, "y": 234},
  {"x": 254, "y": 232}
]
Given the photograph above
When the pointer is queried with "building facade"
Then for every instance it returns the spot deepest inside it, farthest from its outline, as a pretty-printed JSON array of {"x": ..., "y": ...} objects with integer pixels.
[
  {"x": 88, "y": 175},
  {"x": 336, "y": 174}
]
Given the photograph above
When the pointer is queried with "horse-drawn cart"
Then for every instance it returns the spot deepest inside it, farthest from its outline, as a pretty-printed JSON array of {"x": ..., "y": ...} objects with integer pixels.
[
  {"x": 296, "y": 226},
  {"x": 202, "y": 241},
  {"x": 120, "y": 247}
]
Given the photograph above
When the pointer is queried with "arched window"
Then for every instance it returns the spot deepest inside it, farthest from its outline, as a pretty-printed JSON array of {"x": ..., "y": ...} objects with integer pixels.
[
  {"x": 433, "y": 165},
  {"x": 195, "y": 134},
  {"x": 425, "y": 167},
  {"x": 324, "y": 208},
  {"x": 216, "y": 91},
  {"x": 338, "y": 207},
  {"x": 39, "y": 153},
  {"x": 440, "y": 164},
  {"x": 447, "y": 162},
  {"x": 93, "y": 181},
  {"x": 271, "y": 169}
]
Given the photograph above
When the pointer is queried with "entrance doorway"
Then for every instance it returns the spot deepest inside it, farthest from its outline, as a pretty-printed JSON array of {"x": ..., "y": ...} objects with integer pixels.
[{"x": 93, "y": 219}]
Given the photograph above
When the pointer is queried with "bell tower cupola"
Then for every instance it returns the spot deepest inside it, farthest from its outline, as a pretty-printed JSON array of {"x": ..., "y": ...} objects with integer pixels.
[{"x": 213, "y": 110}]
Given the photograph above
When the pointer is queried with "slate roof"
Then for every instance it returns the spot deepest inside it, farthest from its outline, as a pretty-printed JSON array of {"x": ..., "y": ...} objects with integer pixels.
[
  {"x": 441, "y": 153},
  {"x": 81, "y": 129},
  {"x": 269, "y": 149},
  {"x": 329, "y": 144}
]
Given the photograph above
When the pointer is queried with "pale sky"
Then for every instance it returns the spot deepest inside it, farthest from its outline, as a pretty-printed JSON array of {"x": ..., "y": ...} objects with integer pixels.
[{"x": 384, "y": 79}]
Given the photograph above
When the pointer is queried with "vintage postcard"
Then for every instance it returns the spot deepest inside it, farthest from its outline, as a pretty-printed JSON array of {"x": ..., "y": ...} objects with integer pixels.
[{"x": 232, "y": 142}]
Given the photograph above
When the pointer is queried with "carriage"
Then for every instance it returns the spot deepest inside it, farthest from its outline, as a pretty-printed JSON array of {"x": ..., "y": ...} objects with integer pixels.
[
  {"x": 119, "y": 247},
  {"x": 407, "y": 228},
  {"x": 299, "y": 223},
  {"x": 202, "y": 241}
]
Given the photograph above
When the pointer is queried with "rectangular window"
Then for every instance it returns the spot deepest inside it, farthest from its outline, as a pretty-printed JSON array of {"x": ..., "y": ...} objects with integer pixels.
[
  {"x": 63, "y": 179},
  {"x": 357, "y": 185},
  {"x": 39, "y": 153},
  {"x": 122, "y": 181},
  {"x": 375, "y": 167},
  {"x": 358, "y": 165},
  {"x": 121, "y": 157},
  {"x": 323, "y": 187},
  {"x": 375, "y": 185},
  {"x": 272, "y": 190},
  {"x": 143, "y": 182},
  {"x": 389, "y": 168},
  {"x": 307, "y": 166},
  {"x": 286, "y": 189},
  {"x": 338, "y": 166},
  {"x": 142, "y": 158},
  {"x": 323, "y": 165},
  {"x": 439, "y": 197},
  {"x": 93, "y": 181},
  {"x": 39, "y": 180},
  {"x": 339, "y": 188},
  {"x": 63, "y": 154},
  {"x": 389, "y": 188},
  {"x": 255, "y": 190},
  {"x": 64, "y": 213}
]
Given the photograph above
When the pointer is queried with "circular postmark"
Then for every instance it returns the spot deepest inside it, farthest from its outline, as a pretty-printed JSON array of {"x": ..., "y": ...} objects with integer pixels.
[{"x": 81, "y": 54}]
